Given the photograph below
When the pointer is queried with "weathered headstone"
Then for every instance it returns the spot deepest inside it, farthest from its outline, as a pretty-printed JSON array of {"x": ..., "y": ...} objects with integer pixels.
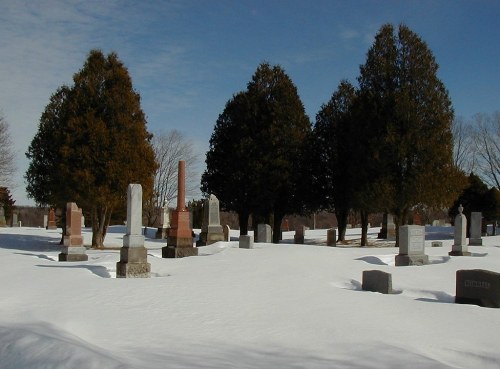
[
  {"x": 388, "y": 230},
  {"x": 478, "y": 287},
  {"x": 264, "y": 233},
  {"x": 52, "y": 219},
  {"x": 3, "y": 223},
  {"x": 83, "y": 221},
  {"x": 331, "y": 237},
  {"x": 133, "y": 255},
  {"x": 14, "y": 220},
  {"x": 246, "y": 242},
  {"x": 459, "y": 247},
  {"x": 211, "y": 230},
  {"x": 180, "y": 233},
  {"x": 162, "y": 231},
  {"x": 377, "y": 281},
  {"x": 476, "y": 223},
  {"x": 45, "y": 221},
  {"x": 411, "y": 246},
  {"x": 227, "y": 235},
  {"x": 299, "y": 236},
  {"x": 73, "y": 249}
]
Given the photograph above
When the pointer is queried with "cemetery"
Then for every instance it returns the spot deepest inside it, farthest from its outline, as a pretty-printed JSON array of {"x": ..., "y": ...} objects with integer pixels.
[{"x": 288, "y": 295}]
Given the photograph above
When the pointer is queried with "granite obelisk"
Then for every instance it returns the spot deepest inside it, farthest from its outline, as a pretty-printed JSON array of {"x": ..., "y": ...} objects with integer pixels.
[{"x": 180, "y": 233}]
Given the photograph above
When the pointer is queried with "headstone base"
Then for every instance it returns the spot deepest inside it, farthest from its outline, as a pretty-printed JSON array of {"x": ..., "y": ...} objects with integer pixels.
[
  {"x": 475, "y": 242},
  {"x": 161, "y": 233},
  {"x": 133, "y": 270},
  {"x": 73, "y": 257},
  {"x": 207, "y": 238},
  {"x": 459, "y": 253},
  {"x": 406, "y": 260},
  {"x": 246, "y": 242},
  {"x": 52, "y": 226},
  {"x": 172, "y": 252}
]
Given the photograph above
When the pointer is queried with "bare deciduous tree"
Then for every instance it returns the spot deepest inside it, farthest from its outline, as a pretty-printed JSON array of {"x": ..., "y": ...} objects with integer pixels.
[
  {"x": 7, "y": 155},
  {"x": 487, "y": 139},
  {"x": 169, "y": 148},
  {"x": 464, "y": 147}
]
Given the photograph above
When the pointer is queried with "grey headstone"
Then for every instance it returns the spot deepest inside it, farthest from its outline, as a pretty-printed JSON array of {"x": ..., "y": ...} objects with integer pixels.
[
  {"x": 476, "y": 222},
  {"x": 264, "y": 233},
  {"x": 331, "y": 237},
  {"x": 377, "y": 281},
  {"x": 211, "y": 230},
  {"x": 3, "y": 222},
  {"x": 246, "y": 242},
  {"x": 226, "y": 230},
  {"x": 411, "y": 246},
  {"x": 459, "y": 247},
  {"x": 15, "y": 222},
  {"x": 299, "y": 235},
  {"x": 478, "y": 287},
  {"x": 45, "y": 220}
]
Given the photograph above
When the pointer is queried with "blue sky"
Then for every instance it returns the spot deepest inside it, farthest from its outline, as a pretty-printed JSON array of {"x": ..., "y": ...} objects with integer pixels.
[{"x": 187, "y": 58}]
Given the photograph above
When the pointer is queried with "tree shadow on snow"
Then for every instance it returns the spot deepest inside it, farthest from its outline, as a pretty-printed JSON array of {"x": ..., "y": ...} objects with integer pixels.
[
  {"x": 40, "y": 256},
  {"x": 34, "y": 243},
  {"x": 98, "y": 270}
]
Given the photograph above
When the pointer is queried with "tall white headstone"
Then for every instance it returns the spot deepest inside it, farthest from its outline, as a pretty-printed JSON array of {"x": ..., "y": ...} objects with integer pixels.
[{"x": 133, "y": 255}]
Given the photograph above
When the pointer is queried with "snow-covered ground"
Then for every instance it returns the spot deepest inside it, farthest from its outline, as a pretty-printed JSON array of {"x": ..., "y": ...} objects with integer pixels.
[{"x": 276, "y": 306}]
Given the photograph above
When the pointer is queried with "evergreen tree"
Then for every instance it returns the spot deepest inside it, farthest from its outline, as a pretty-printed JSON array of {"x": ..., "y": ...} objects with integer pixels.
[
  {"x": 259, "y": 142},
  {"x": 410, "y": 117},
  {"x": 7, "y": 202},
  {"x": 333, "y": 160},
  {"x": 93, "y": 142}
]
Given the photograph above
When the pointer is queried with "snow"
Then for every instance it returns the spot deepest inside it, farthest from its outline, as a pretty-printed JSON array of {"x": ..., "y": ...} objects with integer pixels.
[{"x": 274, "y": 306}]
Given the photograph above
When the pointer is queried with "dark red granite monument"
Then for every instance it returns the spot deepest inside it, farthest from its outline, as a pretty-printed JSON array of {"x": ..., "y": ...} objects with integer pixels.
[{"x": 180, "y": 234}]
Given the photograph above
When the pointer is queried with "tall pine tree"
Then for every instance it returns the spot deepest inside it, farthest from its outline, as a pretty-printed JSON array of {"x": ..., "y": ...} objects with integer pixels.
[
  {"x": 410, "y": 116},
  {"x": 101, "y": 143}
]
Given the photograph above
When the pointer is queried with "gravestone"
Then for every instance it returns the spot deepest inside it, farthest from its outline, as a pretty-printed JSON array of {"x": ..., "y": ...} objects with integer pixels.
[
  {"x": 476, "y": 222},
  {"x": 180, "y": 233},
  {"x": 211, "y": 230},
  {"x": 459, "y": 247},
  {"x": 299, "y": 236},
  {"x": 14, "y": 220},
  {"x": 377, "y": 281},
  {"x": 162, "y": 231},
  {"x": 73, "y": 249},
  {"x": 45, "y": 221},
  {"x": 3, "y": 222},
  {"x": 331, "y": 237},
  {"x": 478, "y": 287},
  {"x": 264, "y": 233},
  {"x": 52, "y": 219},
  {"x": 83, "y": 221},
  {"x": 227, "y": 235},
  {"x": 388, "y": 230},
  {"x": 246, "y": 242},
  {"x": 133, "y": 255},
  {"x": 411, "y": 246}
]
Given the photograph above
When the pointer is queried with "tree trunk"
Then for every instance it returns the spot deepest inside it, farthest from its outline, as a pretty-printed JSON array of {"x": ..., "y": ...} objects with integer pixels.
[
  {"x": 278, "y": 217},
  {"x": 100, "y": 222},
  {"x": 341, "y": 215},
  {"x": 243, "y": 221},
  {"x": 400, "y": 218},
  {"x": 364, "y": 227}
]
